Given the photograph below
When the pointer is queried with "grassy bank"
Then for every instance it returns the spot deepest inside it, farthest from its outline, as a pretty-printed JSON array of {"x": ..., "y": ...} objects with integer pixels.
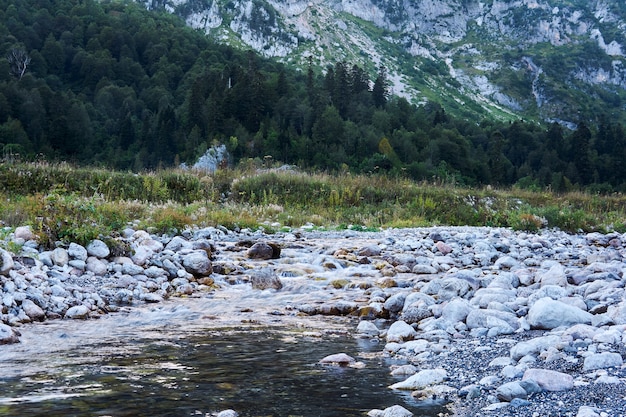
[{"x": 62, "y": 202}]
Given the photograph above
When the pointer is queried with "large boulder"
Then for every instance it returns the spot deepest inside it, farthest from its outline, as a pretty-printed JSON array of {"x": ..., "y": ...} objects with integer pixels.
[
  {"x": 197, "y": 263},
  {"x": 549, "y": 314}
]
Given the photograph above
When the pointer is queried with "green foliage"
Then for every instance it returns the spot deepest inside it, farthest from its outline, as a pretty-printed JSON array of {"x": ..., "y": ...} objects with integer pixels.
[{"x": 121, "y": 87}]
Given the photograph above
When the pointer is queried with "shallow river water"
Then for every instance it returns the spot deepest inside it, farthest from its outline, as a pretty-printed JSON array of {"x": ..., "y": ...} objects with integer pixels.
[{"x": 196, "y": 356}]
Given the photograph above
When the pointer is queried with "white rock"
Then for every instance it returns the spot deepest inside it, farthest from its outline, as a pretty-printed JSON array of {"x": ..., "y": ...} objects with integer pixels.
[
  {"x": 455, "y": 310},
  {"x": 32, "y": 310},
  {"x": 6, "y": 262},
  {"x": 59, "y": 257},
  {"x": 586, "y": 411},
  {"x": 486, "y": 318},
  {"x": 7, "y": 335},
  {"x": 400, "y": 331},
  {"x": 98, "y": 248},
  {"x": 367, "y": 328},
  {"x": 96, "y": 266},
  {"x": 550, "y": 380},
  {"x": 533, "y": 346},
  {"x": 24, "y": 232},
  {"x": 197, "y": 263},
  {"x": 77, "y": 312},
  {"x": 393, "y": 411},
  {"x": 141, "y": 255},
  {"x": 547, "y": 313},
  {"x": 554, "y": 276},
  {"x": 422, "y": 379},
  {"x": 338, "y": 358},
  {"x": 602, "y": 360},
  {"x": 228, "y": 413},
  {"x": 510, "y": 390},
  {"x": 78, "y": 252}
]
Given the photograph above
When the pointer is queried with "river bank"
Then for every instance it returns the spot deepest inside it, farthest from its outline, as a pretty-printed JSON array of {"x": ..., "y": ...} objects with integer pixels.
[{"x": 488, "y": 321}]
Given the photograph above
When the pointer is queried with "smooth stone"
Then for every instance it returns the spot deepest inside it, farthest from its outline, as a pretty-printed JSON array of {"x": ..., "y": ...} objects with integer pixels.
[
  {"x": 367, "y": 328},
  {"x": 602, "y": 360},
  {"x": 404, "y": 370},
  {"x": 586, "y": 411},
  {"x": 510, "y": 390},
  {"x": 141, "y": 255},
  {"x": 6, "y": 262},
  {"x": 395, "y": 303},
  {"x": 8, "y": 335},
  {"x": 393, "y": 411},
  {"x": 337, "y": 358},
  {"x": 98, "y": 248},
  {"x": 264, "y": 251},
  {"x": 60, "y": 257},
  {"x": 24, "y": 232},
  {"x": 485, "y": 318},
  {"x": 554, "y": 276},
  {"x": 77, "y": 251},
  {"x": 548, "y": 314},
  {"x": 533, "y": 346},
  {"x": 77, "y": 312},
  {"x": 265, "y": 278},
  {"x": 228, "y": 413},
  {"x": 96, "y": 266},
  {"x": 32, "y": 310},
  {"x": 132, "y": 269},
  {"x": 197, "y": 263},
  {"x": 400, "y": 331},
  {"x": 371, "y": 250},
  {"x": 422, "y": 379},
  {"x": 550, "y": 380}
]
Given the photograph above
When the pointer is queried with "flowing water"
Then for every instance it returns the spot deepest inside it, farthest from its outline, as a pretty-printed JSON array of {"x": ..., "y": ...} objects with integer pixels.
[{"x": 195, "y": 357}]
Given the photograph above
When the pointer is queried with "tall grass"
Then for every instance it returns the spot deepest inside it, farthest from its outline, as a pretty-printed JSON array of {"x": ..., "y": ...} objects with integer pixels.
[{"x": 66, "y": 203}]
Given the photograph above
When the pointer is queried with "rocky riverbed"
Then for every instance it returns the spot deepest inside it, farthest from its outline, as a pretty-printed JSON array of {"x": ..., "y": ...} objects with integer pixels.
[{"x": 488, "y": 321}]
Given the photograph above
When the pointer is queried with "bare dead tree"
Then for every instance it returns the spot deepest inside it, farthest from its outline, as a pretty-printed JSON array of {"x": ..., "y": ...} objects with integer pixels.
[{"x": 18, "y": 61}]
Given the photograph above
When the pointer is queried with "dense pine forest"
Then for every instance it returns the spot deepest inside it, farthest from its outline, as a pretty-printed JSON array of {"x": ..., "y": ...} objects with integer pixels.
[{"x": 111, "y": 84}]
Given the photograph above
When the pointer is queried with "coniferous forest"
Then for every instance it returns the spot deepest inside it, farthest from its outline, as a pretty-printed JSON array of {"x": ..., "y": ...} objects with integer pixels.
[{"x": 111, "y": 84}]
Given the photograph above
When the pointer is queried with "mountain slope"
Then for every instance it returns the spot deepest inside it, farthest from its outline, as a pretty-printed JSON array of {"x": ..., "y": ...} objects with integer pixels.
[{"x": 560, "y": 60}]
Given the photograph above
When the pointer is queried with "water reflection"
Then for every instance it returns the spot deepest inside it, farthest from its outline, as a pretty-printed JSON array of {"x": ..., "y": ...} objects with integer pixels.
[{"x": 256, "y": 372}]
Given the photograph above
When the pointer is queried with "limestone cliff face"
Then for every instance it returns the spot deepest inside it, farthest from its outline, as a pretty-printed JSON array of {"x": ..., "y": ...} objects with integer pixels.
[{"x": 509, "y": 56}]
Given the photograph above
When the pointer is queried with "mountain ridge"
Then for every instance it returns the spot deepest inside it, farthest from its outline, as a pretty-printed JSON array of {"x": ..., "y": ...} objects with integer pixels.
[{"x": 534, "y": 59}]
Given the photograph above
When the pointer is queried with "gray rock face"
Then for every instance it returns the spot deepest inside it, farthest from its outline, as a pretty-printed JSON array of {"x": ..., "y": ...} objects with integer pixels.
[{"x": 547, "y": 313}]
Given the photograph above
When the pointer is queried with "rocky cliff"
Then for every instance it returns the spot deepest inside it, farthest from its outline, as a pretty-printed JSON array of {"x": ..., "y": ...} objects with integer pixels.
[{"x": 547, "y": 59}]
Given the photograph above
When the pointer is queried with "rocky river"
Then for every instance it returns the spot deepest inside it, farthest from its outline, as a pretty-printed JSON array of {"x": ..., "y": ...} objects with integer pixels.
[{"x": 457, "y": 320}]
